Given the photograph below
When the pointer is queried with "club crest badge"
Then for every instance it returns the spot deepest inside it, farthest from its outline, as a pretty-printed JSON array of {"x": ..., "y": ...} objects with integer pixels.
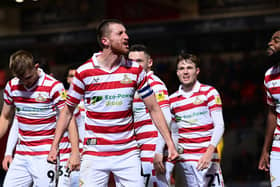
[
  {"x": 40, "y": 98},
  {"x": 198, "y": 100},
  {"x": 126, "y": 80}
]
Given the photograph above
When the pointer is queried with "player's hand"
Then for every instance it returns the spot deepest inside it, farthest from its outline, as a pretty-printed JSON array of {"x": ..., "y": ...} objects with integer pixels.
[
  {"x": 74, "y": 162},
  {"x": 204, "y": 161},
  {"x": 172, "y": 153},
  {"x": 264, "y": 161},
  {"x": 158, "y": 164},
  {"x": 6, "y": 162},
  {"x": 52, "y": 156}
]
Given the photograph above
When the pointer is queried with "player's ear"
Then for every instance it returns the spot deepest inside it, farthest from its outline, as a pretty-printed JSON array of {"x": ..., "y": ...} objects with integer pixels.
[
  {"x": 150, "y": 62},
  {"x": 197, "y": 70},
  {"x": 105, "y": 41},
  {"x": 37, "y": 65}
]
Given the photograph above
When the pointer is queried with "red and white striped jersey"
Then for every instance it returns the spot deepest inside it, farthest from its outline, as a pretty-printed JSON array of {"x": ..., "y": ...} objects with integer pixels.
[
  {"x": 272, "y": 88},
  {"x": 146, "y": 132},
  {"x": 108, "y": 99},
  {"x": 192, "y": 113},
  {"x": 65, "y": 145},
  {"x": 36, "y": 112},
  {"x": 80, "y": 116}
]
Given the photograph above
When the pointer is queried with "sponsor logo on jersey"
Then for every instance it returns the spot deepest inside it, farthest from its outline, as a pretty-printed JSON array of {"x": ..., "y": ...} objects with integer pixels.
[
  {"x": 95, "y": 99},
  {"x": 194, "y": 114},
  {"x": 126, "y": 80},
  {"x": 40, "y": 98},
  {"x": 191, "y": 118},
  {"x": 160, "y": 96},
  {"x": 63, "y": 94},
  {"x": 135, "y": 109},
  {"x": 30, "y": 109},
  {"x": 178, "y": 118},
  {"x": 114, "y": 103},
  {"x": 118, "y": 96},
  {"x": 198, "y": 100},
  {"x": 111, "y": 100},
  {"x": 218, "y": 100}
]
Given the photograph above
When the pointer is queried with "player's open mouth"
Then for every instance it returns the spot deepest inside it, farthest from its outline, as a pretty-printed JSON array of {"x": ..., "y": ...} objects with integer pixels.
[
  {"x": 126, "y": 44},
  {"x": 270, "y": 50}
]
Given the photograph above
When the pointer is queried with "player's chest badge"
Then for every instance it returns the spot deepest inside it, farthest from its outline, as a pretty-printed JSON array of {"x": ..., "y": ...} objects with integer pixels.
[
  {"x": 40, "y": 98},
  {"x": 198, "y": 100},
  {"x": 126, "y": 80}
]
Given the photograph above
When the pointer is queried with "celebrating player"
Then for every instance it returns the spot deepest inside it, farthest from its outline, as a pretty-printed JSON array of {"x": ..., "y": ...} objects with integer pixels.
[{"x": 107, "y": 82}]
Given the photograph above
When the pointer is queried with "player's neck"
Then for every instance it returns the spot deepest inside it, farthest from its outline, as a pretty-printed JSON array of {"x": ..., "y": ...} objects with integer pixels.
[
  {"x": 108, "y": 60},
  {"x": 188, "y": 87}
]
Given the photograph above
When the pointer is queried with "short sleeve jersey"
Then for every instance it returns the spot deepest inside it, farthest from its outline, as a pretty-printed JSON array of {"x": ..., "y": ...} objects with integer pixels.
[
  {"x": 146, "y": 131},
  {"x": 272, "y": 89},
  {"x": 65, "y": 145},
  {"x": 108, "y": 99},
  {"x": 139, "y": 109},
  {"x": 36, "y": 112}
]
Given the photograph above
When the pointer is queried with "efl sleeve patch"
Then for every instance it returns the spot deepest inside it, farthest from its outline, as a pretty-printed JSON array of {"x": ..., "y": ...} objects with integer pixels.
[
  {"x": 160, "y": 96},
  {"x": 63, "y": 94},
  {"x": 218, "y": 100}
]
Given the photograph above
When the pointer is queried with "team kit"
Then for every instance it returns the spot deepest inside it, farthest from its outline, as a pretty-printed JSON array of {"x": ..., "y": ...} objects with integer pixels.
[{"x": 116, "y": 122}]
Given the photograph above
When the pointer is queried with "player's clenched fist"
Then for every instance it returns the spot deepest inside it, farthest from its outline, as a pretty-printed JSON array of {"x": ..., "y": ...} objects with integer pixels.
[
  {"x": 6, "y": 162},
  {"x": 172, "y": 154},
  {"x": 52, "y": 157}
]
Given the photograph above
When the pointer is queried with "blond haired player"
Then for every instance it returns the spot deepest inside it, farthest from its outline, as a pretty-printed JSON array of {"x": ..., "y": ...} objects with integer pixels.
[{"x": 36, "y": 99}]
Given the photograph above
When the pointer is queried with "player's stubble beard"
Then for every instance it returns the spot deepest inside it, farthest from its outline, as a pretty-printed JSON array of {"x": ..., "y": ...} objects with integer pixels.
[{"x": 274, "y": 58}]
